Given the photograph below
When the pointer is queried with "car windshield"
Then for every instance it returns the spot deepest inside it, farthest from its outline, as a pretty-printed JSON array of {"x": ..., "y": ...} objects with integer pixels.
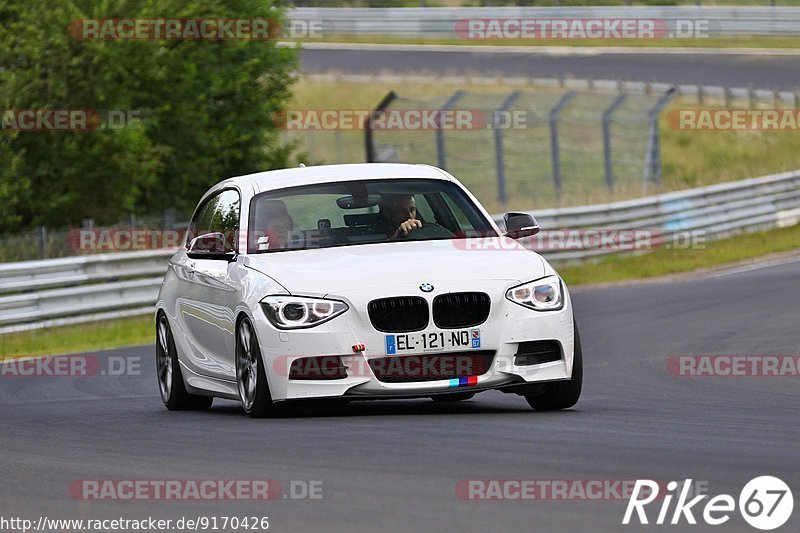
[{"x": 363, "y": 212}]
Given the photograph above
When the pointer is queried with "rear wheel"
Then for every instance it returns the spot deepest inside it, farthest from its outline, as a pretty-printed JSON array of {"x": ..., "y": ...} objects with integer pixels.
[
  {"x": 251, "y": 377},
  {"x": 460, "y": 397},
  {"x": 170, "y": 377},
  {"x": 562, "y": 394}
]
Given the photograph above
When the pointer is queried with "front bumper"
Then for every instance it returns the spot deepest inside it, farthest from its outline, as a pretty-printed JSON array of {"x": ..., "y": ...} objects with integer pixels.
[{"x": 508, "y": 325}]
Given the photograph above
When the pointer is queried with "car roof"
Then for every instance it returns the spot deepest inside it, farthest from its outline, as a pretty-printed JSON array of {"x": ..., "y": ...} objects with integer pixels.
[{"x": 291, "y": 177}]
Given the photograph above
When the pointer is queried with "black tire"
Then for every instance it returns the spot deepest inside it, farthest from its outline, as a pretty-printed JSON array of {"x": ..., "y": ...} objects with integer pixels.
[
  {"x": 169, "y": 375},
  {"x": 562, "y": 394},
  {"x": 254, "y": 395},
  {"x": 458, "y": 397}
]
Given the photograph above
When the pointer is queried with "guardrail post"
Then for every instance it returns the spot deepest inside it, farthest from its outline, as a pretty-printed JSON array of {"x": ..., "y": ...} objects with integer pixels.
[
  {"x": 556, "y": 157},
  {"x": 652, "y": 165},
  {"x": 607, "y": 138},
  {"x": 498, "y": 147},
  {"x": 440, "y": 150},
  {"x": 368, "y": 140}
]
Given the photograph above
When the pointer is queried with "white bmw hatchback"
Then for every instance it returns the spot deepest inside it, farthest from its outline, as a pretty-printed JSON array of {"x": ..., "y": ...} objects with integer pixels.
[{"x": 351, "y": 282}]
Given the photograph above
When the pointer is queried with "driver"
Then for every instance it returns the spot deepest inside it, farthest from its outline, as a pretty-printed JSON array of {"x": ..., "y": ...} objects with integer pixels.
[{"x": 399, "y": 215}]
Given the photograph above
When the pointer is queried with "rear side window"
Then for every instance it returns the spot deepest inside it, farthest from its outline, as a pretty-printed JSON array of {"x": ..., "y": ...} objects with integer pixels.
[{"x": 218, "y": 214}]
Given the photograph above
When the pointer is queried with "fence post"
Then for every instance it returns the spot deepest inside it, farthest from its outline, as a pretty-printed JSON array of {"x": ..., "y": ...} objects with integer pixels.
[
  {"x": 368, "y": 140},
  {"x": 607, "y": 138},
  {"x": 652, "y": 164},
  {"x": 498, "y": 147},
  {"x": 169, "y": 218},
  {"x": 310, "y": 142},
  {"x": 440, "y": 153},
  {"x": 556, "y": 158},
  {"x": 43, "y": 237}
]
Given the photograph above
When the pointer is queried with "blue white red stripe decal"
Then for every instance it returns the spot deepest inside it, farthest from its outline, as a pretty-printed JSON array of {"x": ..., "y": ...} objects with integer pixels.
[{"x": 463, "y": 382}]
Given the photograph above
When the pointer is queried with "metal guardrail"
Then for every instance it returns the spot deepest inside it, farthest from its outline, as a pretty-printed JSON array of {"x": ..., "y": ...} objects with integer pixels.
[
  {"x": 36, "y": 294},
  {"x": 441, "y": 22},
  {"x": 716, "y": 212},
  {"x": 51, "y": 292}
]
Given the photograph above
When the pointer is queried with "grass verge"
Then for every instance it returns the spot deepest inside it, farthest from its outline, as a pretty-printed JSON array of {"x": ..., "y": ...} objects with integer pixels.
[
  {"x": 139, "y": 330},
  {"x": 79, "y": 338},
  {"x": 663, "y": 262}
]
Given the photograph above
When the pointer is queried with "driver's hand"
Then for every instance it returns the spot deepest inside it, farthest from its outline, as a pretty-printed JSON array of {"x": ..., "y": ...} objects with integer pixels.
[{"x": 407, "y": 226}]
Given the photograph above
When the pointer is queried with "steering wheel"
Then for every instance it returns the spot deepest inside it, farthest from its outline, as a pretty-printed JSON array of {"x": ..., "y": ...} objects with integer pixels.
[{"x": 429, "y": 230}]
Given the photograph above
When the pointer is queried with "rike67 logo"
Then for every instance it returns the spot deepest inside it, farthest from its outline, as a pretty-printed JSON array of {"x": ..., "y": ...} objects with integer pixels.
[{"x": 765, "y": 503}]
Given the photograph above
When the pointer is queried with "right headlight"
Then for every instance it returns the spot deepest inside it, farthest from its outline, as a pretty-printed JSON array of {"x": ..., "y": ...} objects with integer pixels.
[
  {"x": 546, "y": 294},
  {"x": 295, "y": 312}
]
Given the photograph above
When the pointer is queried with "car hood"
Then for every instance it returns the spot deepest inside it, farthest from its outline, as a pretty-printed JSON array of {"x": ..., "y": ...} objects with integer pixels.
[{"x": 334, "y": 270}]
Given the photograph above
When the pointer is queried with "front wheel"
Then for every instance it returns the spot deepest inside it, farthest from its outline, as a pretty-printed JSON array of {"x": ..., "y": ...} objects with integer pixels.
[
  {"x": 170, "y": 377},
  {"x": 562, "y": 394},
  {"x": 250, "y": 376}
]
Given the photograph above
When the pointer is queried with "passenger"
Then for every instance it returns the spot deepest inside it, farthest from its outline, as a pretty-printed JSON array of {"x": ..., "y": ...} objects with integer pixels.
[{"x": 275, "y": 223}]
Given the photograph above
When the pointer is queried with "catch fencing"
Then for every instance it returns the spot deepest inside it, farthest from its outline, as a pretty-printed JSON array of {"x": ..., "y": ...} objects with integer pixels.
[{"x": 545, "y": 144}]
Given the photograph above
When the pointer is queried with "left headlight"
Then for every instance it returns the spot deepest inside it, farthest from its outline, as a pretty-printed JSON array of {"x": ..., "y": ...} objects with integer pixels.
[
  {"x": 546, "y": 294},
  {"x": 294, "y": 312}
]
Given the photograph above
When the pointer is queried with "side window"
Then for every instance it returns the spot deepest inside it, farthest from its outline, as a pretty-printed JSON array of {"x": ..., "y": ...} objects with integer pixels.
[
  {"x": 424, "y": 210},
  {"x": 461, "y": 218},
  {"x": 219, "y": 214}
]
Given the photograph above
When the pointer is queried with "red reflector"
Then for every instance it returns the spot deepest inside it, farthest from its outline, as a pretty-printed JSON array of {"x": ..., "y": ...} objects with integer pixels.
[{"x": 359, "y": 348}]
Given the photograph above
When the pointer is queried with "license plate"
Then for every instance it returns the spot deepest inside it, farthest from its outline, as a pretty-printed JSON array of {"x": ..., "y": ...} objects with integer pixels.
[{"x": 433, "y": 341}]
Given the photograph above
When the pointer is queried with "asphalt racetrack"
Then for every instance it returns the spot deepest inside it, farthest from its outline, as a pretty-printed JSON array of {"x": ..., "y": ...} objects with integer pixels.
[
  {"x": 774, "y": 72},
  {"x": 395, "y": 465}
]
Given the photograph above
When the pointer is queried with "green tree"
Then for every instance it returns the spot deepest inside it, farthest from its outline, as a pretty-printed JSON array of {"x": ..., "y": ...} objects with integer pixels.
[{"x": 207, "y": 109}]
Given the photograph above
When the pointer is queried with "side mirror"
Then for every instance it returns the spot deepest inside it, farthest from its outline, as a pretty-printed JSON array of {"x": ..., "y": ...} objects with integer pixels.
[
  {"x": 210, "y": 246},
  {"x": 519, "y": 225}
]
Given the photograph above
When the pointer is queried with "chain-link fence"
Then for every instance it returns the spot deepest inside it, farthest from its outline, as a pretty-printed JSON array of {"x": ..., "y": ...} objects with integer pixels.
[{"x": 578, "y": 145}]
